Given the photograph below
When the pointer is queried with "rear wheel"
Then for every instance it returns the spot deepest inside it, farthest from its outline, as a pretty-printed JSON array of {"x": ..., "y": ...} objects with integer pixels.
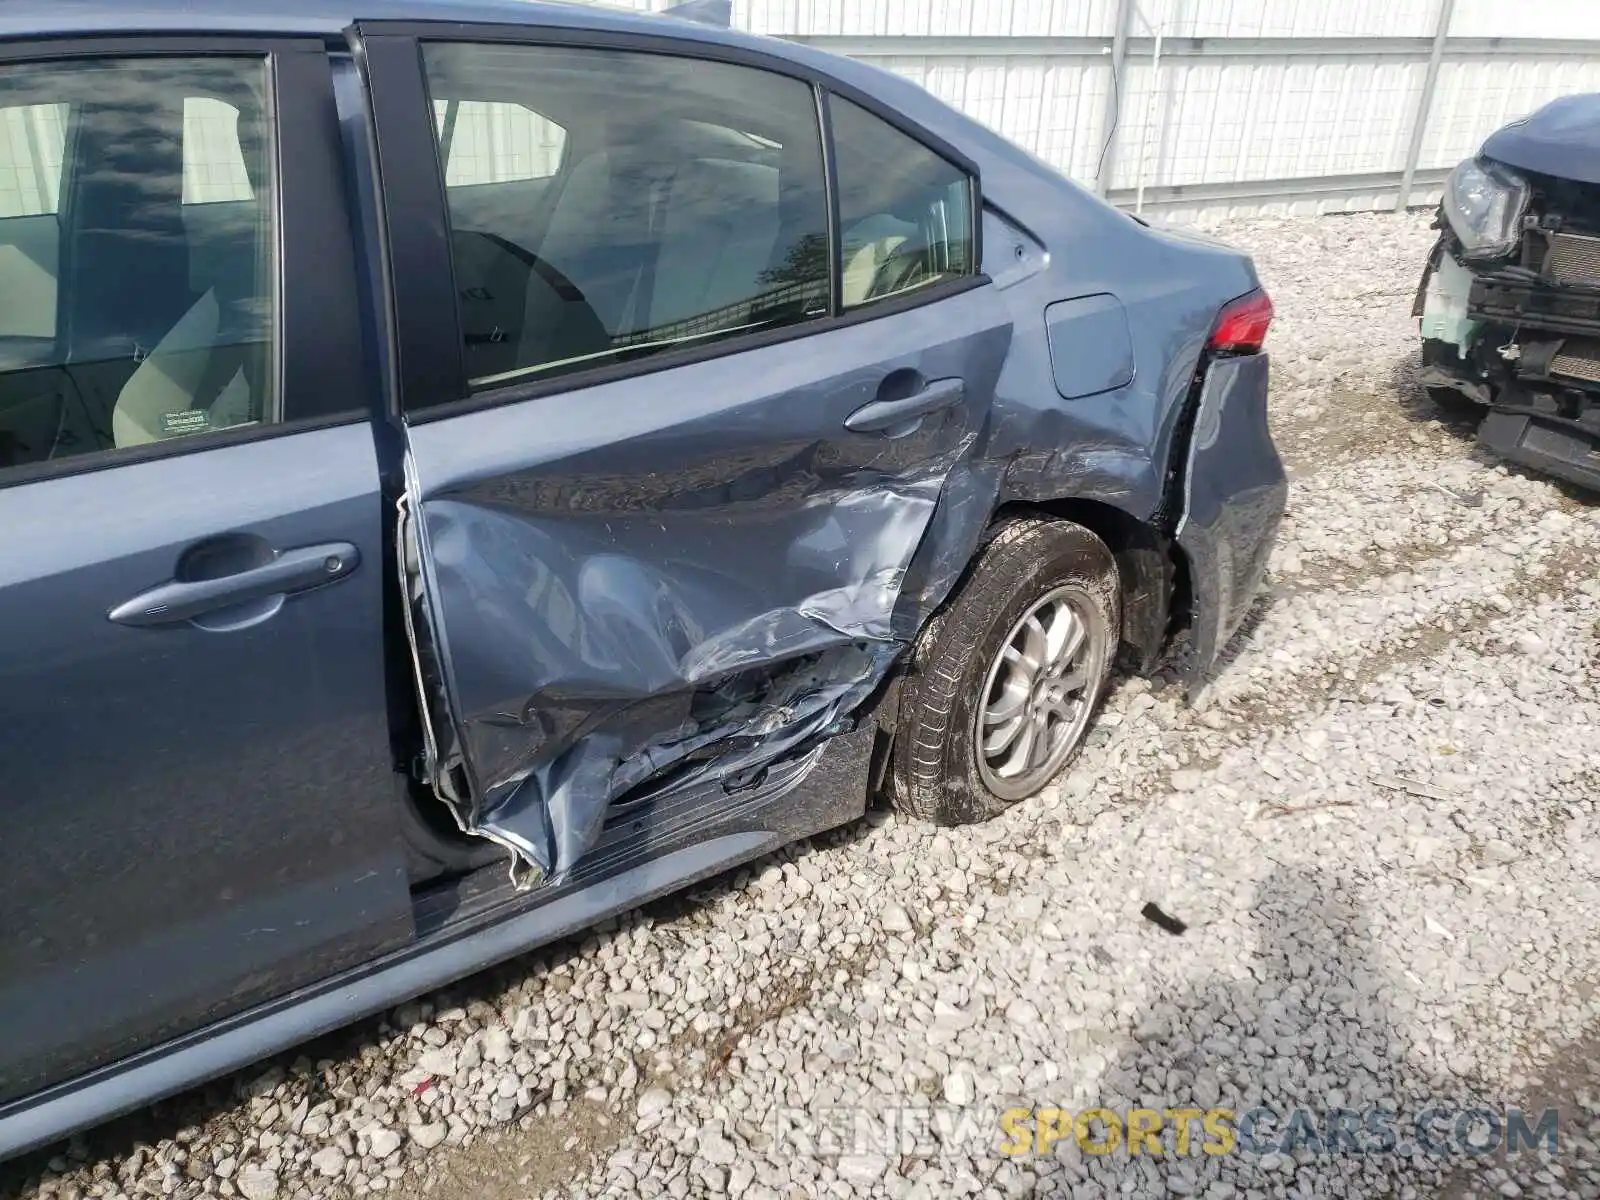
[
  {"x": 434, "y": 847},
  {"x": 1005, "y": 681}
]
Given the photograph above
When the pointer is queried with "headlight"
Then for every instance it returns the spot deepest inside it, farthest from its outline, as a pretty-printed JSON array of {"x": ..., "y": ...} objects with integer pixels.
[{"x": 1485, "y": 203}]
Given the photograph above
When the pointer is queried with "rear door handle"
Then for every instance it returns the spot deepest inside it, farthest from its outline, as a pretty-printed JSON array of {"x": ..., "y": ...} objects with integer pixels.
[
  {"x": 884, "y": 415},
  {"x": 292, "y": 571}
]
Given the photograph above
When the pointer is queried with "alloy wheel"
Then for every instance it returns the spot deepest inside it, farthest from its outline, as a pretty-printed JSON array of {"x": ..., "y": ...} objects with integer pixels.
[{"x": 1040, "y": 692}]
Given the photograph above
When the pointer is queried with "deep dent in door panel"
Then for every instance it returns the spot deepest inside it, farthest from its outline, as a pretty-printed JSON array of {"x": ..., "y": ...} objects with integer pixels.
[
  {"x": 620, "y": 663},
  {"x": 607, "y": 662},
  {"x": 602, "y": 650}
]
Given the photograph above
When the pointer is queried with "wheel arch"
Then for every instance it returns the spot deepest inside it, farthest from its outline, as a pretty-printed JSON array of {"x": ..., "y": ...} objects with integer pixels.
[
  {"x": 1154, "y": 576},
  {"x": 1154, "y": 580}
]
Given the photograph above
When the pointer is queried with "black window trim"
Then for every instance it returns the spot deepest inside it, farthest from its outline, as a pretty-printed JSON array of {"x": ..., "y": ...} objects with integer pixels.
[
  {"x": 318, "y": 374},
  {"x": 417, "y": 225},
  {"x": 830, "y": 183}
]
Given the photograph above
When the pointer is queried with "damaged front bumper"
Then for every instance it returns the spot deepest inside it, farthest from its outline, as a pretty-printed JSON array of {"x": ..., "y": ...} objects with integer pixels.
[{"x": 1522, "y": 338}]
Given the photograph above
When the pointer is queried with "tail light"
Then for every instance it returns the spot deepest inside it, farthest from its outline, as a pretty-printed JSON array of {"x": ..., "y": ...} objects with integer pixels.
[{"x": 1242, "y": 324}]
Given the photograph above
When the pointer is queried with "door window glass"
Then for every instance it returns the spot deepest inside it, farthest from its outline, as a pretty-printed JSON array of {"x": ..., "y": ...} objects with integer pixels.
[
  {"x": 487, "y": 141},
  {"x": 905, "y": 213},
  {"x": 142, "y": 310},
  {"x": 214, "y": 171},
  {"x": 32, "y": 137},
  {"x": 687, "y": 204}
]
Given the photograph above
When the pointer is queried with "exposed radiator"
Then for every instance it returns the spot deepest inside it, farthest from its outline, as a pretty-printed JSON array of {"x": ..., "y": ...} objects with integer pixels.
[
  {"x": 1579, "y": 359},
  {"x": 1573, "y": 258}
]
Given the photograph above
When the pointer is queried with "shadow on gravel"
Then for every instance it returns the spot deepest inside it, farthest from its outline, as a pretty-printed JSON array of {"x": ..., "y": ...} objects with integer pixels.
[
  {"x": 1458, "y": 415},
  {"x": 1570, "y": 1084},
  {"x": 340, "y": 1065},
  {"x": 1170, "y": 671},
  {"x": 1301, "y": 1047},
  {"x": 1460, "y": 418}
]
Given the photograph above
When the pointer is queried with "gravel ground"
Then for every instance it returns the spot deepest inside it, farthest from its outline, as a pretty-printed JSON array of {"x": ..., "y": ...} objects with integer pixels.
[{"x": 1379, "y": 826}]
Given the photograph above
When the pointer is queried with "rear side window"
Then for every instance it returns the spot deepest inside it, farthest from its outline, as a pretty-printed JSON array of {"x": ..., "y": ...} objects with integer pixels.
[
  {"x": 687, "y": 204},
  {"x": 158, "y": 324},
  {"x": 905, "y": 213},
  {"x": 488, "y": 141}
]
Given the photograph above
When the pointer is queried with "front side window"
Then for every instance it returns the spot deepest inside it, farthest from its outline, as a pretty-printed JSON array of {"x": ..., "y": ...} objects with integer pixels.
[
  {"x": 32, "y": 138},
  {"x": 686, "y": 203},
  {"x": 136, "y": 253},
  {"x": 905, "y": 213},
  {"x": 214, "y": 170}
]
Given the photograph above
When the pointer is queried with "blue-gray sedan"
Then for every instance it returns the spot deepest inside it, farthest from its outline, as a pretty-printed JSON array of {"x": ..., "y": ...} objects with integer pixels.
[{"x": 466, "y": 469}]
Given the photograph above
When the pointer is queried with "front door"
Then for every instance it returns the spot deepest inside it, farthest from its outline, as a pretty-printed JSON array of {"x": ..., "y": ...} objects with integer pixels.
[
  {"x": 678, "y": 437},
  {"x": 196, "y": 791}
]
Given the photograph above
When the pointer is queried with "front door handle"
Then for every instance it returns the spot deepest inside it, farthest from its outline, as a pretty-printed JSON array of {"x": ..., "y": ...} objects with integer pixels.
[
  {"x": 292, "y": 571},
  {"x": 890, "y": 415}
]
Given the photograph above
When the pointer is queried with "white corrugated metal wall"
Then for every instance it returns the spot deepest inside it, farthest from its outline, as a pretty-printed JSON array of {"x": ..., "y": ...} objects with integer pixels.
[
  {"x": 1225, "y": 122},
  {"x": 1207, "y": 113}
]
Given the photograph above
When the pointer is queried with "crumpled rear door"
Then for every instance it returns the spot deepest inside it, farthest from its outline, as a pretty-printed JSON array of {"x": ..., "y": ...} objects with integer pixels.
[{"x": 689, "y": 574}]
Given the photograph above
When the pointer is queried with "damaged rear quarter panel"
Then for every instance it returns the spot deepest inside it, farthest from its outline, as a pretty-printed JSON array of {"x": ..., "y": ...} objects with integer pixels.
[
  {"x": 693, "y": 571},
  {"x": 1047, "y": 239},
  {"x": 1118, "y": 445},
  {"x": 1133, "y": 447}
]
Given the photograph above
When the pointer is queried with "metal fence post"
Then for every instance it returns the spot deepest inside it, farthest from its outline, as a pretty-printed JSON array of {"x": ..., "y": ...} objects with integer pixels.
[
  {"x": 1419, "y": 126},
  {"x": 1111, "y": 115}
]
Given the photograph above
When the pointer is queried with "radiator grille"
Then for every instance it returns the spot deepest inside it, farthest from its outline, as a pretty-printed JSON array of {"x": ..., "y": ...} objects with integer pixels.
[
  {"x": 1573, "y": 259},
  {"x": 1579, "y": 359}
]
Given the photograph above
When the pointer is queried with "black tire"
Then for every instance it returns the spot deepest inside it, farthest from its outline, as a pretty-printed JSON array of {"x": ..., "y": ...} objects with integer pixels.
[
  {"x": 434, "y": 848},
  {"x": 936, "y": 772}
]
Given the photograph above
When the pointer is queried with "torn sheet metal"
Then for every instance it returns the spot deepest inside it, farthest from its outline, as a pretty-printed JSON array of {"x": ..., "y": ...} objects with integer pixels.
[
  {"x": 672, "y": 579},
  {"x": 606, "y": 657}
]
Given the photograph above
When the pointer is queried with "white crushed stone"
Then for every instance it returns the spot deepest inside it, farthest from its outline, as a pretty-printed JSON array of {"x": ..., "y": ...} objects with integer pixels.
[{"x": 1380, "y": 827}]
